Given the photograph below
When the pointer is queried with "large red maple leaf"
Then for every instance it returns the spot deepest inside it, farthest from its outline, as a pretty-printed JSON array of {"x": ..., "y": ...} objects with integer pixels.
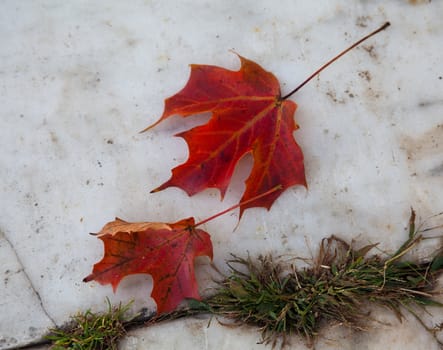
[
  {"x": 165, "y": 251},
  {"x": 248, "y": 115}
]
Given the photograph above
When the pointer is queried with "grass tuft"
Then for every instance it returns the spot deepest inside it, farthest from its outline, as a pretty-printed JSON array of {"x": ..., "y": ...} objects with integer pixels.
[
  {"x": 91, "y": 331},
  {"x": 337, "y": 287}
]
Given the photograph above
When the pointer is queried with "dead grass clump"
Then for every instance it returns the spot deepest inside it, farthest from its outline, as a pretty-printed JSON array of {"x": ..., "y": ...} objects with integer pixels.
[{"x": 337, "y": 287}]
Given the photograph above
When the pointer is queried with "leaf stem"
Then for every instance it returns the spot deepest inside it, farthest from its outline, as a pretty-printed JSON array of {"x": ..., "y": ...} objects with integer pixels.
[
  {"x": 384, "y": 26},
  {"x": 272, "y": 190}
]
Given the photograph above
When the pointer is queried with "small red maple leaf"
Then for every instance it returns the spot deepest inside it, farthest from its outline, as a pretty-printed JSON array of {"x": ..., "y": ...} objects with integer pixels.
[
  {"x": 165, "y": 251},
  {"x": 248, "y": 115}
]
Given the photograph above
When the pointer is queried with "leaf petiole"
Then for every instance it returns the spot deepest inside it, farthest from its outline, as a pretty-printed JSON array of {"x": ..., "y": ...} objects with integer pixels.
[
  {"x": 272, "y": 190},
  {"x": 383, "y": 27}
]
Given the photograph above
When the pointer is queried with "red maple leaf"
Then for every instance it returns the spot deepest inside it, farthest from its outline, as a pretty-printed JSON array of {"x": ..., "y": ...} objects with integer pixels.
[
  {"x": 248, "y": 115},
  {"x": 165, "y": 251}
]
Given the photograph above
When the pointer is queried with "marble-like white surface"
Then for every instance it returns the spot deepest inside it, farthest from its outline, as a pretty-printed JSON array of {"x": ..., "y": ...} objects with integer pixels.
[{"x": 78, "y": 80}]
